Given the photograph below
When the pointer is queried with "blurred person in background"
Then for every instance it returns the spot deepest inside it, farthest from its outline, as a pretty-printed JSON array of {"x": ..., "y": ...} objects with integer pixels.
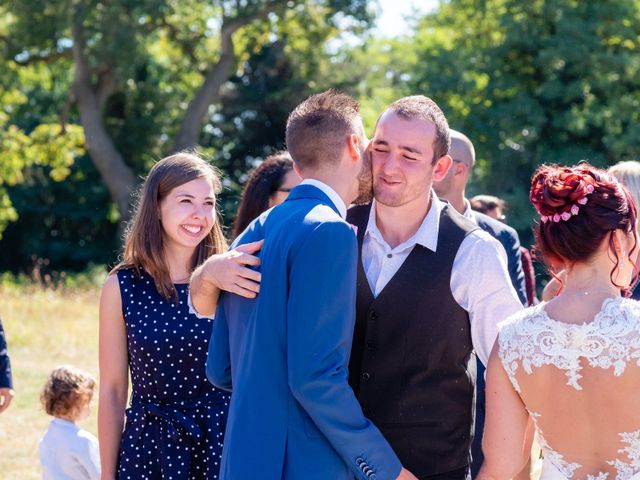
[
  {"x": 452, "y": 189},
  {"x": 68, "y": 452},
  {"x": 495, "y": 208},
  {"x": 268, "y": 185},
  {"x": 6, "y": 381}
]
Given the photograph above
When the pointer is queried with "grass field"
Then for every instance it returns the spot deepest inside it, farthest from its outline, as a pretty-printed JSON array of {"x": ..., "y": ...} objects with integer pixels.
[{"x": 44, "y": 328}]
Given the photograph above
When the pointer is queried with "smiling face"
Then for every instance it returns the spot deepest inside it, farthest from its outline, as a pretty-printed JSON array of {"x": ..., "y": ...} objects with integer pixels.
[
  {"x": 187, "y": 213},
  {"x": 402, "y": 160}
]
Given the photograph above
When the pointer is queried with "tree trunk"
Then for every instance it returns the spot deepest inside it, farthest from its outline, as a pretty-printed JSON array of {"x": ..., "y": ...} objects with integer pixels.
[
  {"x": 118, "y": 177},
  {"x": 209, "y": 92}
]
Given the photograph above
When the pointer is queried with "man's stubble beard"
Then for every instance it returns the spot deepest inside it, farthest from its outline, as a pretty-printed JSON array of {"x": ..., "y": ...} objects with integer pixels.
[{"x": 365, "y": 180}]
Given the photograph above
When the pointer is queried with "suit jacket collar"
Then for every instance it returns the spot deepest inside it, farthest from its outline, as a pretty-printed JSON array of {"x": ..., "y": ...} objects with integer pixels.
[{"x": 308, "y": 190}]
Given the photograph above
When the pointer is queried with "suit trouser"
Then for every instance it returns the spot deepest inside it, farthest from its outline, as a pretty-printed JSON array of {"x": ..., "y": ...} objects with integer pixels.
[
  {"x": 459, "y": 474},
  {"x": 476, "y": 446}
]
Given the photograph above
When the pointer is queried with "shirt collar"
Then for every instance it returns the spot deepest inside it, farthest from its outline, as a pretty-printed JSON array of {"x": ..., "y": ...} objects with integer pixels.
[
  {"x": 329, "y": 192},
  {"x": 426, "y": 235},
  {"x": 468, "y": 213},
  {"x": 61, "y": 422}
]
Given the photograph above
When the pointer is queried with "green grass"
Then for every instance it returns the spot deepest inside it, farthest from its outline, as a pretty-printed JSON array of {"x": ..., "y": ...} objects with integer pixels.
[{"x": 44, "y": 328}]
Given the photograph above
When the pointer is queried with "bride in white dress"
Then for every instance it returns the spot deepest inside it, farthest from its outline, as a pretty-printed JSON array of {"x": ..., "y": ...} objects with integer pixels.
[{"x": 571, "y": 367}]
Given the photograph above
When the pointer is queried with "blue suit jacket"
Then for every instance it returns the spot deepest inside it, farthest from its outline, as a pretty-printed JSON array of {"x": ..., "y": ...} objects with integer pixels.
[
  {"x": 286, "y": 353},
  {"x": 509, "y": 239},
  {"x": 5, "y": 363}
]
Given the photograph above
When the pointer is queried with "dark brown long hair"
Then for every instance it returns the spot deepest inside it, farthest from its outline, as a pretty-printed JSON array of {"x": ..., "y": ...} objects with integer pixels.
[
  {"x": 263, "y": 182},
  {"x": 144, "y": 237}
]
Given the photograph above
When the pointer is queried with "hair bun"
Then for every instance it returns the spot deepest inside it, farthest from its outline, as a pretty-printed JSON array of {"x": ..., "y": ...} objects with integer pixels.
[{"x": 561, "y": 190}]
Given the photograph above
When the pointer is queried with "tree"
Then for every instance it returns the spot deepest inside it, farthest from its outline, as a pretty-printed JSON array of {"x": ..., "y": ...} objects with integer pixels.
[
  {"x": 191, "y": 45},
  {"x": 533, "y": 82},
  {"x": 136, "y": 100}
]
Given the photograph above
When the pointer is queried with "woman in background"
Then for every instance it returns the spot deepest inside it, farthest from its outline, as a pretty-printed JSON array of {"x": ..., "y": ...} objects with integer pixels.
[{"x": 268, "y": 185}]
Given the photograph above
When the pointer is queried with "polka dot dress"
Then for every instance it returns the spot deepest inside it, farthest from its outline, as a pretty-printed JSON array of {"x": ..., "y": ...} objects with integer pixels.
[{"x": 176, "y": 420}]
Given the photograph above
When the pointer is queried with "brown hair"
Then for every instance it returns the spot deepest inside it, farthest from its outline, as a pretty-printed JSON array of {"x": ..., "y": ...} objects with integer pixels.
[
  {"x": 68, "y": 389},
  {"x": 144, "y": 239},
  {"x": 594, "y": 205},
  {"x": 423, "y": 108},
  {"x": 486, "y": 203},
  {"x": 318, "y": 128},
  {"x": 263, "y": 182}
]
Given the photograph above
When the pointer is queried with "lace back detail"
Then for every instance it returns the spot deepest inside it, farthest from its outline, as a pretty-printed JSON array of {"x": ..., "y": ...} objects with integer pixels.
[{"x": 531, "y": 339}]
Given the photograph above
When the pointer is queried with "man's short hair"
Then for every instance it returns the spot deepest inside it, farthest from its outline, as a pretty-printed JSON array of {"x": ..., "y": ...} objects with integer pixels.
[
  {"x": 318, "y": 128},
  {"x": 423, "y": 108}
]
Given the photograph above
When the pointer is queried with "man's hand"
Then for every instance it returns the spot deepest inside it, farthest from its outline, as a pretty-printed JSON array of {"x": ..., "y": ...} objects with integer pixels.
[
  {"x": 225, "y": 271},
  {"x": 406, "y": 475},
  {"x": 229, "y": 271},
  {"x": 6, "y": 395}
]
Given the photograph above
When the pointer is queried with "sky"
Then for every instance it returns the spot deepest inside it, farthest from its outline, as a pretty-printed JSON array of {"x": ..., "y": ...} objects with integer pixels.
[{"x": 391, "y": 19}]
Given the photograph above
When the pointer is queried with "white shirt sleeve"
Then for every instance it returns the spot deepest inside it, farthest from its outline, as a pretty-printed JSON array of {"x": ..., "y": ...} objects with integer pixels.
[
  {"x": 193, "y": 310},
  {"x": 481, "y": 285}
]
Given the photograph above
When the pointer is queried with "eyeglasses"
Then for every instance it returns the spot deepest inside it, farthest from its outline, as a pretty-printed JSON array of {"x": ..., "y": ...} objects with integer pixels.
[{"x": 285, "y": 190}]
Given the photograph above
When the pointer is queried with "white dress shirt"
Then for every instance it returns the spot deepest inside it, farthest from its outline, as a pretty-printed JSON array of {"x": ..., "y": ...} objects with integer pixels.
[
  {"x": 479, "y": 283},
  {"x": 329, "y": 192},
  {"x": 69, "y": 453}
]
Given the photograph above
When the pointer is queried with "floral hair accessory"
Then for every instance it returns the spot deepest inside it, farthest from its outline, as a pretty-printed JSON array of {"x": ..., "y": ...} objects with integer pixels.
[{"x": 572, "y": 210}]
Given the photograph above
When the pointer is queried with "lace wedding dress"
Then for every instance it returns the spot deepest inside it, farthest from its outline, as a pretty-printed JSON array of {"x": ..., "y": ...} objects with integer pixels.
[{"x": 581, "y": 386}]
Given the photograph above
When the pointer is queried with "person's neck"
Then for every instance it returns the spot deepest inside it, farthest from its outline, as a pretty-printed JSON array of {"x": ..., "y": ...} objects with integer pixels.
[
  {"x": 178, "y": 263},
  {"x": 399, "y": 224},
  {"x": 456, "y": 199},
  {"x": 590, "y": 279},
  {"x": 335, "y": 180},
  {"x": 67, "y": 418}
]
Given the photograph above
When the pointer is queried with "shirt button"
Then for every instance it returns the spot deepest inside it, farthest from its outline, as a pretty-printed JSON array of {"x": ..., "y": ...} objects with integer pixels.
[
  {"x": 369, "y": 346},
  {"x": 389, "y": 255},
  {"x": 366, "y": 376}
]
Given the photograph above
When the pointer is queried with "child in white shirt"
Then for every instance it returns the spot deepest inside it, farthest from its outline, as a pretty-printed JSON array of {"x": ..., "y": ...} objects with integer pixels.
[{"x": 66, "y": 451}]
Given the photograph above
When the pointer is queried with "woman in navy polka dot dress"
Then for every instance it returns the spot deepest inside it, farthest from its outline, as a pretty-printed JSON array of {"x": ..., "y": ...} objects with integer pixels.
[{"x": 176, "y": 419}]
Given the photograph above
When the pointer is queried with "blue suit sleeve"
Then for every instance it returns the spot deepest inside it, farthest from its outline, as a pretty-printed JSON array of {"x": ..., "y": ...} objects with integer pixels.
[
  {"x": 6, "y": 380},
  {"x": 511, "y": 243},
  {"x": 219, "y": 356},
  {"x": 320, "y": 322}
]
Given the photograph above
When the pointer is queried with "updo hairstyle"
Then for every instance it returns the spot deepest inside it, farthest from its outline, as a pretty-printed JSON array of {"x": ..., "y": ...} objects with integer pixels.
[{"x": 579, "y": 208}]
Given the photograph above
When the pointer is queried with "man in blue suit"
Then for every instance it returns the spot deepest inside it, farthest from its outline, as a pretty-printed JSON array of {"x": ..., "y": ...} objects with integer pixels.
[
  {"x": 285, "y": 353},
  {"x": 452, "y": 189}
]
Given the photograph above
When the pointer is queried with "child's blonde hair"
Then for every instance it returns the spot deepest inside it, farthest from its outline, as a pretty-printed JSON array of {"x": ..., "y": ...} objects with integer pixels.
[{"x": 68, "y": 389}]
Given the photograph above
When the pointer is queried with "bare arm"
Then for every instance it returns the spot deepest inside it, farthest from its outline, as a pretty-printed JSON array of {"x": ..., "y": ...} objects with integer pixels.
[
  {"x": 508, "y": 431},
  {"x": 225, "y": 272},
  {"x": 114, "y": 381}
]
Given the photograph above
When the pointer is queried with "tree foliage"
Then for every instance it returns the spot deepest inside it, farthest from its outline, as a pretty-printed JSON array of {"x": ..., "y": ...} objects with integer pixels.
[
  {"x": 533, "y": 82},
  {"x": 141, "y": 79}
]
